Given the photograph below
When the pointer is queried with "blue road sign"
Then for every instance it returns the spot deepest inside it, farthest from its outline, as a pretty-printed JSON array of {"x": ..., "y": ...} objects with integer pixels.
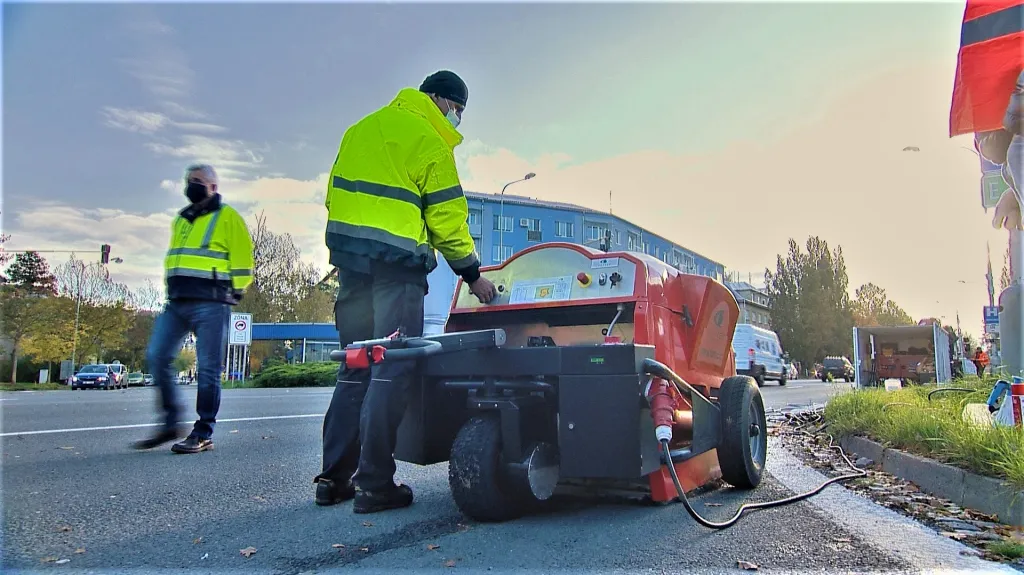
[{"x": 991, "y": 314}]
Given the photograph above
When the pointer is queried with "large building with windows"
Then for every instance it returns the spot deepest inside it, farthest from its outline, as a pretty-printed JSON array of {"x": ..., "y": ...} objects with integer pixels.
[
  {"x": 502, "y": 226},
  {"x": 754, "y": 302}
]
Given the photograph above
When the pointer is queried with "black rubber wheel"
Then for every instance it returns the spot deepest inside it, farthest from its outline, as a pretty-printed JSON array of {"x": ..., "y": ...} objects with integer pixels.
[
  {"x": 744, "y": 446},
  {"x": 475, "y": 476},
  {"x": 782, "y": 379},
  {"x": 759, "y": 378}
]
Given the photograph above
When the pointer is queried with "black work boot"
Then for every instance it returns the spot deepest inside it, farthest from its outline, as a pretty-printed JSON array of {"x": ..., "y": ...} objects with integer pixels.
[
  {"x": 394, "y": 497},
  {"x": 161, "y": 437},
  {"x": 330, "y": 492},
  {"x": 192, "y": 444}
]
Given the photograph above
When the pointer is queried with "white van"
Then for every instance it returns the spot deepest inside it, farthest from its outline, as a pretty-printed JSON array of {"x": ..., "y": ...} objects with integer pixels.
[{"x": 759, "y": 354}]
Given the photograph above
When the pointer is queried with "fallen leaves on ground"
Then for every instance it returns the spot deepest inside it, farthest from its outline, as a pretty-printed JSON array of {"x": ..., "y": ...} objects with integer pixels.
[
  {"x": 233, "y": 431},
  {"x": 842, "y": 540},
  {"x": 259, "y": 498},
  {"x": 80, "y": 550},
  {"x": 197, "y": 540},
  {"x": 712, "y": 504},
  {"x": 747, "y": 565},
  {"x": 432, "y": 546},
  {"x": 449, "y": 563},
  {"x": 48, "y": 560},
  {"x": 364, "y": 549},
  {"x": 338, "y": 546},
  {"x": 64, "y": 529},
  {"x": 61, "y": 561},
  {"x": 248, "y": 552},
  {"x": 803, "y": 433},
  {"x": 67, "y": 448},
  {"x": 367, "y": 524}
]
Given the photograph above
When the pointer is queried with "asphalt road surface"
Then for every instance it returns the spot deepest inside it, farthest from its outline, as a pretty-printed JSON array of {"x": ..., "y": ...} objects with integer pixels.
[{"x": 75, "y": 497}]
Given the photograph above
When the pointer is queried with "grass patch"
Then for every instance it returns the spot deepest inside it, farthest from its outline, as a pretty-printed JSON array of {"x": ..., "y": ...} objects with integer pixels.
[
  {"x": 1006, "y": 548},
  {"x": 32, "y": 386},
  {"x": 905, "y": 419}
]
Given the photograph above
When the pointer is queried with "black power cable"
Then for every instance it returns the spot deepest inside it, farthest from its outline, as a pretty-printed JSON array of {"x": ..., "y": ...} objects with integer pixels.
[{"x": 762, "y": 505}]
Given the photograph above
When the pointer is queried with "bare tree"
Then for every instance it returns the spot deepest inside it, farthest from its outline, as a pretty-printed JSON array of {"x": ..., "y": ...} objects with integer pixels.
[{"x": 148, "y": 297}]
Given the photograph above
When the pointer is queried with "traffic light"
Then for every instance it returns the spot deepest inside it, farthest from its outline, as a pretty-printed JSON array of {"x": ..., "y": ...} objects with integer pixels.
[{"x": 105, "y": 254}]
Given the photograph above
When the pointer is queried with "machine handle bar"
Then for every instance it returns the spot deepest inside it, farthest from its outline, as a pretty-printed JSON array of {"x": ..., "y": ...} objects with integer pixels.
[{"x": 415, "y": 348}]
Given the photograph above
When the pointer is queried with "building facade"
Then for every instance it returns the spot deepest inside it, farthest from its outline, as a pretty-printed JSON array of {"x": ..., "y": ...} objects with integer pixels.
[
  {"x": 503, "y": 226},
  {"x": 755, "y": 305}
]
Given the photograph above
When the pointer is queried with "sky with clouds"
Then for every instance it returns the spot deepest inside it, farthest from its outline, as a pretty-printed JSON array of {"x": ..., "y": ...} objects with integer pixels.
[{"x": 725, "y": 127}]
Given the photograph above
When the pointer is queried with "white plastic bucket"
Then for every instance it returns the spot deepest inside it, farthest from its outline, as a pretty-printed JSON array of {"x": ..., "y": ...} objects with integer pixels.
[{"x": 441, "y": 291}]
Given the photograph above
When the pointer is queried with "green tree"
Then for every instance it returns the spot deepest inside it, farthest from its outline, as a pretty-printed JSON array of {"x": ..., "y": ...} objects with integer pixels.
[
  {"x": 811, "y": 309},
  {"x": 50, "y": 341},
  {"x": 872, "y": 307},
  {"x": 31, "y": 272},
  {"x": 21, "y": 318},
  {"x": 185, "y": 361}
]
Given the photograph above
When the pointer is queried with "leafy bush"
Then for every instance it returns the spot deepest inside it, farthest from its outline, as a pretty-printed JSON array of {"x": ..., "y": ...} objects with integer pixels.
[
  {"x": 906, "y": 419},
  {"x": 322, "y": 374}
]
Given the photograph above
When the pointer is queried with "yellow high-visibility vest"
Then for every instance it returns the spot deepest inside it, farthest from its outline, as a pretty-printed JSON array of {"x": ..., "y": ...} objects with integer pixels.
[
  {"x": 394, "y": 193},
  {"x": 215, "y": 246}
]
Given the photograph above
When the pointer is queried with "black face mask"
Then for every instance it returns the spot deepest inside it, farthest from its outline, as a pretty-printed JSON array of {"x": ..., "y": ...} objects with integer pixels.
[{"x": 196, "y": 192}]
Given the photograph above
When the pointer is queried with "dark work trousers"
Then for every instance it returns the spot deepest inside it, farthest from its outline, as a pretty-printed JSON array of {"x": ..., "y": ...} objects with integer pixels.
[{"x": 361, "y": 425}]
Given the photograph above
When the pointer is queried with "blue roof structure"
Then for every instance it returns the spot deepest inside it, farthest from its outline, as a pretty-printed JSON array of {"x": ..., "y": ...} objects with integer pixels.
[{"x": 294, "y": 331}]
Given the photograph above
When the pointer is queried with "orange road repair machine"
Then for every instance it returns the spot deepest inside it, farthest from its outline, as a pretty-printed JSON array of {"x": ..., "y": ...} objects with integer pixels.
[{"x": 590, "y": 371}]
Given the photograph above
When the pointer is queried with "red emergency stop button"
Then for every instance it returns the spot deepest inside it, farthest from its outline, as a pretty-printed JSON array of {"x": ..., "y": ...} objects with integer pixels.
[{"x": 583, "y": 278}]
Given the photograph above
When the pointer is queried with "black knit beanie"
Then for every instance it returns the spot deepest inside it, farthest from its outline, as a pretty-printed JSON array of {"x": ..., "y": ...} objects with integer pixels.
[{"x": 446, "y": 85}]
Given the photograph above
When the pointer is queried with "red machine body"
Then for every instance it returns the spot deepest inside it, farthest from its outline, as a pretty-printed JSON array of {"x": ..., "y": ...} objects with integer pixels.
[
  {"x": 1017, "y": 399},
  {"x": 571, "y": 293}
]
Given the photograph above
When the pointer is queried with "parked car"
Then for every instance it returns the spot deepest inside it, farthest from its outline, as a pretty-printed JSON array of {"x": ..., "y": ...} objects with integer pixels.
[
  {"x": 838, "y": 367},
  {"x": 147, "y": 379},
  {"x": 759, "y": 354},
  {"x": 135, "y": 378},
  {"x": 98, "y": 376}
]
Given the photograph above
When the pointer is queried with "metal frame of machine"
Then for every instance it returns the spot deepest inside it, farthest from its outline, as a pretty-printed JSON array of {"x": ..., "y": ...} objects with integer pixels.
[{"x": 582, "y": 369}]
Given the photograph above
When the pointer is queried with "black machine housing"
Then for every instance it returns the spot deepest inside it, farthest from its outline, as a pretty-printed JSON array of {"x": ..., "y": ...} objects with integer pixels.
[{"x": 588, "y": 400}]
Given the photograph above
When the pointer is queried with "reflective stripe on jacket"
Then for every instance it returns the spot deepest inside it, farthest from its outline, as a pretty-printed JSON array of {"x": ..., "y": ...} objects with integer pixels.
[
  {"x": 210, "y": 255},
  {"x": 394, "y": 195}
]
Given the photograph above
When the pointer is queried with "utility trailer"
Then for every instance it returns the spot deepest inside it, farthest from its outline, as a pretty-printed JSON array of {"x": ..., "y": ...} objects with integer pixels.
[{"x": 911, "y": 354}]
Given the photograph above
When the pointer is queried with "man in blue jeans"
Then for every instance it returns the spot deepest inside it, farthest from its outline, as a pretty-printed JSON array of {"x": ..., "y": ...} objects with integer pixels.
[{"x": 207, "y": 268}]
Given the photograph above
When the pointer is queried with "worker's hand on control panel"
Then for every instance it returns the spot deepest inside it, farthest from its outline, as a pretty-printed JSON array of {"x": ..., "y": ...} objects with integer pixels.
[{"x": 483, "y": 289}]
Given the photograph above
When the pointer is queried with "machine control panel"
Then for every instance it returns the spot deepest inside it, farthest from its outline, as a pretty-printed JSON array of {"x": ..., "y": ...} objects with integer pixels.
[{"x": 555, "y": 274}]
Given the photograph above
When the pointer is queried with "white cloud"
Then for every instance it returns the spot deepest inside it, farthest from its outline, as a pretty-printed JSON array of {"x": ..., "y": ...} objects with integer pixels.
[
  {"x": 233, "y": 159},
  {"x": 169, "y": 185},
  {"x": 199, "y": 127},
  {"x": 139, "y": 239},
  {"x": 134, "y": 120}
]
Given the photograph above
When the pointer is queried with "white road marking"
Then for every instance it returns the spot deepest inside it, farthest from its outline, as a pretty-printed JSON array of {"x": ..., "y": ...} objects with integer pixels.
[{"x": 138, "y": 425}]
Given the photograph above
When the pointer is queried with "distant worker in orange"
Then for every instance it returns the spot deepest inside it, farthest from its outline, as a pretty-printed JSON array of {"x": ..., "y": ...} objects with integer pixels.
[{"x": 980, "y": 361}]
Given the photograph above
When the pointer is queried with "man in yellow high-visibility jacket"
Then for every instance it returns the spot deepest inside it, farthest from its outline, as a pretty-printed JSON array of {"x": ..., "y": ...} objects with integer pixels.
[
  {"x": 393, "y": 198},
  {"x": 207, "y": 268}
]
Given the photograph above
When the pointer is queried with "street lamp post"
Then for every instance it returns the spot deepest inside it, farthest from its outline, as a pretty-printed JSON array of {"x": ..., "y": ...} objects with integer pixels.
[
  {"x": 501, "y": 214},
  {"x": 78, "y": 308}
]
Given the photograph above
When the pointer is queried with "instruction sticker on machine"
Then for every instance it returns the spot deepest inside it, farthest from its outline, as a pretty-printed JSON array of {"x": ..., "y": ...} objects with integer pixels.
[{"x": 541, "y": 290}]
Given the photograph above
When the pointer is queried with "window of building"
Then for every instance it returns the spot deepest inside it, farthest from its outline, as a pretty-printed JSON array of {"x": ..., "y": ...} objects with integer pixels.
[
  {"x": 617, "y": 237},
  {"x": 502, "y": 224},
  {"x": 564, "y": 230},
  {"x": 474, "y": 217},
  {"x": 594, "y": 231},
  {"x": 633, "y": 242},
  {"x": 500, "y": 253},
  {"x": 689, "y": 264},
  {"x": 532, "y": 224}
]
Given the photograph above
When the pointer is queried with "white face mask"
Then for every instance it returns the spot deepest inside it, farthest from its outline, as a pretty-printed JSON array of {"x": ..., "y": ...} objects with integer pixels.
[{"x": 452, "y": 116}]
